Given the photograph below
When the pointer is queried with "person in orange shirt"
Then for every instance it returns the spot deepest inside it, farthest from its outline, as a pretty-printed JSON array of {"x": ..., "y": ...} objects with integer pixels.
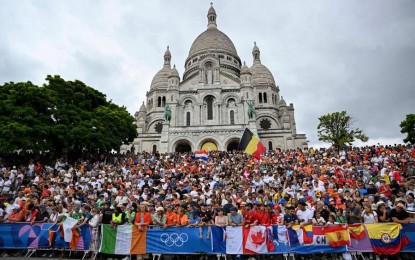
[
  {"x": 182, "y": 219},
  {"x": 142, "y": 218},
  {"x": 171, "y": 216},
  {"x": 17, "y": 215}
]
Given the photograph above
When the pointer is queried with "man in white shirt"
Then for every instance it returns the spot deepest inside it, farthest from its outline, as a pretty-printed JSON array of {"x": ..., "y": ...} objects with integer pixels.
[{"x": 304, "y": 214}]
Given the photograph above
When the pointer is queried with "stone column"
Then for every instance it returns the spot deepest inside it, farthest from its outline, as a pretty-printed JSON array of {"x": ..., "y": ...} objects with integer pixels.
[{"x": 164, "y": 140}]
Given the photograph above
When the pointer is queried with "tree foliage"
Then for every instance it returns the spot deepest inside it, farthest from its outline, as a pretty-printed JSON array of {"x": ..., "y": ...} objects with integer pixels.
[
  {"x": 408, "y": 127},
  {"x": 337, "y": 129},
  {"x": 61, "y": 117}
]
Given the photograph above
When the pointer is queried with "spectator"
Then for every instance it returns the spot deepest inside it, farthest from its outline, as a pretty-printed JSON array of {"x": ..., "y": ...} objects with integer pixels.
[
  {"x": 369, "y": 216},
  {"x": 41, "y": 216},
  {"x": 221, "y": 220},
  {"x": 235, "y": 218},
  {"x": 159, "y": 219},
  {"x": 399, "y": 214}
]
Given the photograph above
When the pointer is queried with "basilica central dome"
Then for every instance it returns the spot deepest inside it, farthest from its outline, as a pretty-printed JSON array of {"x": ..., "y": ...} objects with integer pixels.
[
  {"x": 214, "y": 40},
  {"x": 213, "y": 43}
]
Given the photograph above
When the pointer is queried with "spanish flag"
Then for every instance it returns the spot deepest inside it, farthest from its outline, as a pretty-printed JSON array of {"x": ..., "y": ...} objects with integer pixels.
[
  {"x": 386, "y": 238},
  {"x": 357, "y": 231},
  {"x": 337, "y": 235},
  {"x": 251, "y": 145}
]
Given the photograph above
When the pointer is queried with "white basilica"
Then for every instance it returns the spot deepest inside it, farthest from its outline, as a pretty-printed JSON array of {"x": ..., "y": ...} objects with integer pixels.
[{"x": 207, "y": 109}]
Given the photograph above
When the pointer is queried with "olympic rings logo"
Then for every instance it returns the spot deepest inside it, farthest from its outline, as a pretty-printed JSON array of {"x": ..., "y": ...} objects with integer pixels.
[{"x": 174, "y": 239}]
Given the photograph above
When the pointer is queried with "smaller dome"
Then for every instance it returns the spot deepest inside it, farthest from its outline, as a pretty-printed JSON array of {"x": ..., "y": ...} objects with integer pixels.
[
  {"x": 174, "y": 72},
  {"x": 261, "y": 75},
  {"x": 143, "y": 108},
  {"x": 160, "y": 79},
  {"x": 245, "y": 69},
  {"x": 282, "y": 102}
]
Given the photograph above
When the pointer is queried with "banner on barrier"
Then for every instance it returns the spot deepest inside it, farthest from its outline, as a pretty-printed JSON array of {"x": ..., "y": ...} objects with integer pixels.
[{"x": 26, "y": 235}]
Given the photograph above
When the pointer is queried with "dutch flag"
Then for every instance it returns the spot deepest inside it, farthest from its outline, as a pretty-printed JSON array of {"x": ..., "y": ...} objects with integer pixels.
[{"x": 201, "y": 155}]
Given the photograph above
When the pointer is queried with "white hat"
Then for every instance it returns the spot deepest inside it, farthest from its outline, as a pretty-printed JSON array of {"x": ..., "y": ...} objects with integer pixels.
[{"x": 160, "y": 208}]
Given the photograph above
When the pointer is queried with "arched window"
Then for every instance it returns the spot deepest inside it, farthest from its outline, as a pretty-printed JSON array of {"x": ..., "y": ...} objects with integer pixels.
[
  {"x": 154, "y": 148},
  {"x": 270, "y": 146},
  {"x": 209, "y": 103},
  {"x": 159, "y": 102},
  {"x": 265, "y": 98},
  {"x": 247, "y": 95},
  {"x": 163, "y": 102},
  {"x": 260, "y": 97},
  {"x": 188, "y": 119},
  {"x": 232, "y": 117}
]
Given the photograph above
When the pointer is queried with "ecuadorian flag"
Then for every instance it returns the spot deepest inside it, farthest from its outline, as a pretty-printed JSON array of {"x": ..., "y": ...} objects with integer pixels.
[
  {"x": 387, "y": 238},
  {"x": 251, "y": 145}
]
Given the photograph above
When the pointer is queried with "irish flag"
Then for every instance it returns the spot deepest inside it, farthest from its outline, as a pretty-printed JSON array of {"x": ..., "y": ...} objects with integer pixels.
[{"x": 123, "y": 240}]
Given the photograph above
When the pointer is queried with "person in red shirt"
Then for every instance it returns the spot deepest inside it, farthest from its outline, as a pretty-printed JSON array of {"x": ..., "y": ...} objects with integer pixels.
[
  {"x": 250, "y": 216},
  {"x": 385, "y": 189},
  {"x": 263, "y": 216},
  {"x": 277, "y": 218}
]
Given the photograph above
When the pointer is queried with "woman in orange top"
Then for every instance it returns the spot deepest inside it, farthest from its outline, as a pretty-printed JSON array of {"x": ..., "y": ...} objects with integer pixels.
[
  {"x": 171, "y": 216},
  {"x": 182, "y": 219},
  {"x": 142, "y": 220}
]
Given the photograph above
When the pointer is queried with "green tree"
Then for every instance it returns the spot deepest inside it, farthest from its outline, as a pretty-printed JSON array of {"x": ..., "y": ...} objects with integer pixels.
[
  {"x": 63, "y": 117},
  {"x": 408, "y": 126},
  {"x": 337, "y": 129}
]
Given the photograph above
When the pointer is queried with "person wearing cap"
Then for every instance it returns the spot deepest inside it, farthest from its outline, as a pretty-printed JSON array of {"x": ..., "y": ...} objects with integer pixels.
[
  {"x": 235, "y": 218},
  {"x": 17, "y": 215},
  {"x": 399, "y": 214},
  {"x": 159, "y": 218},
  {"x": 263, "y": 216},
  {"x": 277, "y": 218},
  {"x": 304, "y": 215}
]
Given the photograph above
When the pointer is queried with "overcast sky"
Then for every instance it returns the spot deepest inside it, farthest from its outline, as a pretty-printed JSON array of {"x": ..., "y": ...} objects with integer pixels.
[{"x": 326, "y": 56}]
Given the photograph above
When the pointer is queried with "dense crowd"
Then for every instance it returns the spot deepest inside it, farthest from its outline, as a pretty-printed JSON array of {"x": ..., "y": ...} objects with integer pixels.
[{"x": 312, "y": 186}]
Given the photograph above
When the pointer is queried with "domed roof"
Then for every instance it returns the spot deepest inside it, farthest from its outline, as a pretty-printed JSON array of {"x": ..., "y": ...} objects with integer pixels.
[
  {"x": 245, "y": 69},
  {"x": 143, "y": 108},
  {"x": 174, "y": 72},
  {"x": 212, "y": 39},
  {"x": 160, "y": 79},
  {"x": 282, "y": 102},
  {"x": 261, "y": 74}
]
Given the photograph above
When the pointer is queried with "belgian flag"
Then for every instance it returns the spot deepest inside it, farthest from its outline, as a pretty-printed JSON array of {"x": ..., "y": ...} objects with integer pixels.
[{"x": 251, "y": 145}]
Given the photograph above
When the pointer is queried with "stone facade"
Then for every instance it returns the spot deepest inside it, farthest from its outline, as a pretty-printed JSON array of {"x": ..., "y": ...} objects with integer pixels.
[{"x": 209, "y": 105}]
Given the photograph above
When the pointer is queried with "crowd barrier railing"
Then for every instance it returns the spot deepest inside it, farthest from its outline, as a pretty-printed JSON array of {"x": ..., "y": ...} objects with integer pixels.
[{"x": 129, "y": 240}]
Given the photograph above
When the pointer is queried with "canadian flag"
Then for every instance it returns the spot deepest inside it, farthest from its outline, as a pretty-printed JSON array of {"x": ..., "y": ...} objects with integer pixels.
[{"x": 257, "y": 240}]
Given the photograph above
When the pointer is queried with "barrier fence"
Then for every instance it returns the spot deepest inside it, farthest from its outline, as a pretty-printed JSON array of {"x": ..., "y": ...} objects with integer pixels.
[{"x": 383, "y": 238}]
